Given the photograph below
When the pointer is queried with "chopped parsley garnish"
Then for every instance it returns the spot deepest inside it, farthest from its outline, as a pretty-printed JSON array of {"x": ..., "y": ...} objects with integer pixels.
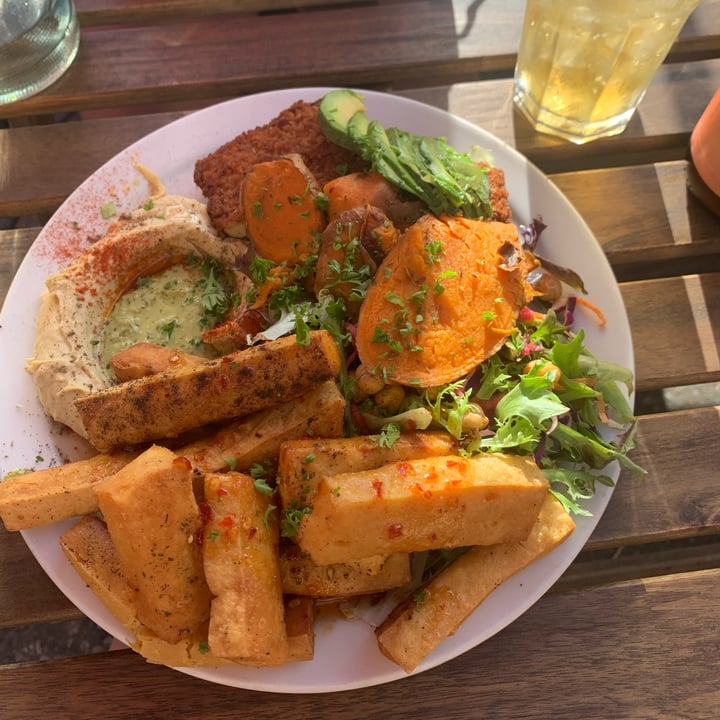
[
  {"x": 388, "y": 435},
  {"x": 261, "y": 485},
  {"x": 291, "y": 519}
]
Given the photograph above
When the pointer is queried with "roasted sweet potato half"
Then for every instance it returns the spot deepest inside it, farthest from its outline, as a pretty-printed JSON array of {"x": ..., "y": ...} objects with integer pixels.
[{"x": 444, "y": 299}]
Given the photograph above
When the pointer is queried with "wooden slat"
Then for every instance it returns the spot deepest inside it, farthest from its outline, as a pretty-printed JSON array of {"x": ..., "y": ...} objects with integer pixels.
[
  {"x": 673, "y": 322},
  {"x": 673, "y": 233},
  {"x": 395, "y": 44},
  {"x": 13, "y": 246},
  {"x": 634, "y": 645},
  {"x": 664, "y": 314},
  {"x": 27, "y": 593},
  {"x": 109, "y": 12},
  {"x": 673, "y": 501},
  {"x": 593, "y": 569},
  {"x": 37, "y": 181}
]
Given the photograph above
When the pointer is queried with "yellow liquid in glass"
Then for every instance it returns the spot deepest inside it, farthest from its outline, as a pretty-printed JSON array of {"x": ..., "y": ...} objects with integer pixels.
[{"x": 584, "y": 66}]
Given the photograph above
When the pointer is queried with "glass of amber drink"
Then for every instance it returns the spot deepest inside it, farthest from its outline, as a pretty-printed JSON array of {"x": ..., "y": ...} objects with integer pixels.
[{"x": 584, "y": 65}]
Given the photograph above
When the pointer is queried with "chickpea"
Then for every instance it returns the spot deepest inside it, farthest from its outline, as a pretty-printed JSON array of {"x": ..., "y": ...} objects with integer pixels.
[
  {"x": 546, "y": 368},
  {"x": 356, "y": 391},
  {"x": 433, "y": 392},
  {"x": 473, "y": 422},
  {"x": 390, "y": 398},
  {"x": 366, "y": 382},
  {"x": 545, "y": 284}
]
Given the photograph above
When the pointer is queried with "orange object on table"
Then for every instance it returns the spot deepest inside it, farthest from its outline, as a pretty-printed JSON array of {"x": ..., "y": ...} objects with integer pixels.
[{"x": 704, "y": 170}]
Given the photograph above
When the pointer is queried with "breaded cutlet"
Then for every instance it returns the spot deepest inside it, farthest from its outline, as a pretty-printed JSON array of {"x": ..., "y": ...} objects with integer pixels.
[{"x": 499, "y": 196}]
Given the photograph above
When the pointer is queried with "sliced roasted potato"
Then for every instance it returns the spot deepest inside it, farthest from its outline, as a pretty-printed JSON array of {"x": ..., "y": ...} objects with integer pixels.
[
  {"x": 154, "y": 519},
  {"x": 46, "y": 496},
  {"x": 240, "y": 555},
  {"x": 302, "y": 463},
  {"x": 318, "y": 412},
  {"x": 414, "y": 505},
  {"x": 302, "y": 576},
  {"x": 89, "y": 548}
]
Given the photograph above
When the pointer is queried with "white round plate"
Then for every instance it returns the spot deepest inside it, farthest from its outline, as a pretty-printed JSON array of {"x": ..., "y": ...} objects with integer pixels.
[{"x": 346, "y": 654}]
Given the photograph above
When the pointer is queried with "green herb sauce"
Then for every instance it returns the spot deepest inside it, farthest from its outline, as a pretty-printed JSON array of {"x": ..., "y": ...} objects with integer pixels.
[{"x": 164, "y": 309}]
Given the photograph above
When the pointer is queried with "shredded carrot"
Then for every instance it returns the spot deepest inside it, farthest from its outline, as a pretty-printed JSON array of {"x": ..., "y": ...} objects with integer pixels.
[
  {"x": 268, "y": 287},
  {"x": 602, "y": 320}
]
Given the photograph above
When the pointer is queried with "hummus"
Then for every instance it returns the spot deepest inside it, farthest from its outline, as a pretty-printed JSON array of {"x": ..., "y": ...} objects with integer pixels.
[{"x": 74, "y": 309}]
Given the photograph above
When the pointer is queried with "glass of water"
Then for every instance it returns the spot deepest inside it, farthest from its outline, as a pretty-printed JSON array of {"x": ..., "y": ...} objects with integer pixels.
[{"x": 38, "y": 41}]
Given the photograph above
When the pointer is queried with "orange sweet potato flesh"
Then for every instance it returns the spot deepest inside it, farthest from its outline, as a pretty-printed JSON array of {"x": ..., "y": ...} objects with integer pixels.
[
  {"x": 283, "y": 220},
  {"x": 359, "y": 189},
  {"x": 351, "y": 245},
  {"x": 444, "y": 299}
]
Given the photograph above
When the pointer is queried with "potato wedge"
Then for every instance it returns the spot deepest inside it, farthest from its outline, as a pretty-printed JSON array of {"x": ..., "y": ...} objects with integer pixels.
[
  {"x": 240, "y": 555},
  {"x": 302, "y": 576},
  {"x": 153, "y": 519},
  {"x": 421, "y": 623},
  {"x": 46, "y": 496},
  {"x": 304, "y": 462},
  {"x": 89, "y": 548},
  {"x": 412, "y": 505},
  {"x": 318, "y": 412},
  {"x": 144, "y": 358},
  {"x": 170, "y": 403}
]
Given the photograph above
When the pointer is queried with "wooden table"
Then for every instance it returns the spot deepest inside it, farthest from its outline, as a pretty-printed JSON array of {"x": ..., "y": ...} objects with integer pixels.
[{"x": 632, "y": 630}]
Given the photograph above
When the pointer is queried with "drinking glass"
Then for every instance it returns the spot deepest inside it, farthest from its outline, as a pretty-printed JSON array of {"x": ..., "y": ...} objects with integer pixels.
[
  {"x": 584, "y": 65},
  {"x": 38, "y": 41}
]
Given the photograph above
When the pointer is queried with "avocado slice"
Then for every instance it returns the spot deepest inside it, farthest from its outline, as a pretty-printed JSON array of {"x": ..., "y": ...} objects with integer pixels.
[
  {"x": 446, "y": 180},
  {"x": 357, "y": 128},
  {"x": 337, "y": 108}
]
